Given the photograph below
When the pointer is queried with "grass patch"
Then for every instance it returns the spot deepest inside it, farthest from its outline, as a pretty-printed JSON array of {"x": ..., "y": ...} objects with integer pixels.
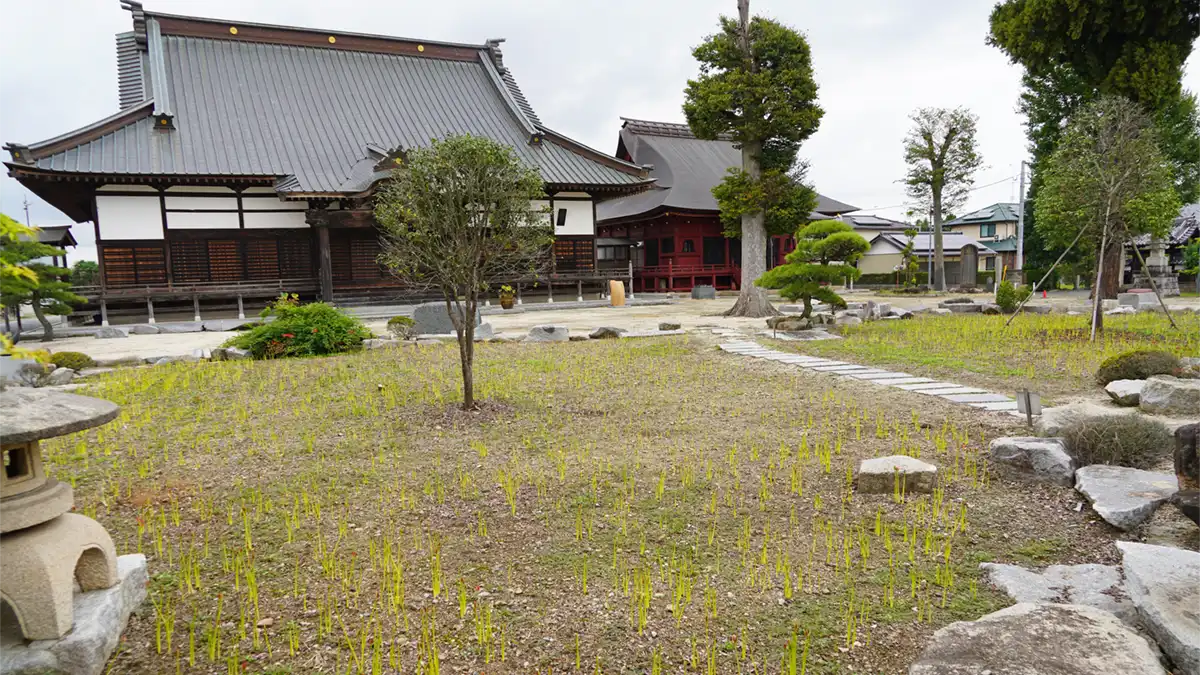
[
  {"x": 1049, "y": 353},
  {"x": 624, "y": 502}
]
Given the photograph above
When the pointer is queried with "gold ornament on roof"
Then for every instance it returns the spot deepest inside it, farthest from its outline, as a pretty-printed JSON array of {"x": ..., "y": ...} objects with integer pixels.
[
  {"x": 420, "y": 48},
  {"x": 233, "y": 30},
  {"x": 332, "y": 39}
]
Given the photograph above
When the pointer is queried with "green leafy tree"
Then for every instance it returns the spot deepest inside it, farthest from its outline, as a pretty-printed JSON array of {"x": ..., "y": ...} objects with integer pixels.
[
  {"x": 909, "y": 266},
  {"x": 11, "y": 231},
  {"x": 85, "y": 273},
  {"x": 756, "y": 87},
  {"x": 459, "y": 217},
  {"x": 942, "y": 159},
  {"x": 45, "y": 290},
  {"x": 1106, "y": 182},
  {"x": 826, "y": 251},
  {"x": 1191, "y": 258}
]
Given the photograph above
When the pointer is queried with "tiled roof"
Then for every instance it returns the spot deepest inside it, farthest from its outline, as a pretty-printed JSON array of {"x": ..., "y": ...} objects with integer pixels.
[
  {"x": 685, "y": 169},
  {"x": 1184, "y": 229},
  {"x": 952, "y": 242},
  {"x": 1003, "y": 212},
  {"x": 307, "y": 114}
]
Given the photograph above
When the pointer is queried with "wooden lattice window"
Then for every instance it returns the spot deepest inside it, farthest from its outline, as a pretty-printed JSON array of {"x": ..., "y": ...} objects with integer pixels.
[
  {"x": 132, "y": 264},
  {"x": 574, "y": 255}
]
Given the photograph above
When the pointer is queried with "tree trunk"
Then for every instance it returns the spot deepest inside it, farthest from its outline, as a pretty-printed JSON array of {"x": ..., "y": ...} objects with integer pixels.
[
  {"x": 807, "y": 307},
  {"x": 939, "y": 255},
  {"x": 752, "y": 300},
  {"x": 1112, "y": 272},
  {"x": 47, "y": 328},
  {"x": 462, "y": 315},
  {"x": 1097, "y": 299}
]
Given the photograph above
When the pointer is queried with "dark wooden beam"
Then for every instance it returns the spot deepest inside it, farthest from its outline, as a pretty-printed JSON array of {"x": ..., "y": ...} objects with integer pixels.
[{"x": 325, "y": 263}]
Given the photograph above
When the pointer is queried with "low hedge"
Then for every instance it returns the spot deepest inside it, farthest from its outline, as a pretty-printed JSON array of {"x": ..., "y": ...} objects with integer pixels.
[
  {"x": 74, "y": 360},
  {"x": 315, "y": 329},
  {"x": 1138, "y": 365}
]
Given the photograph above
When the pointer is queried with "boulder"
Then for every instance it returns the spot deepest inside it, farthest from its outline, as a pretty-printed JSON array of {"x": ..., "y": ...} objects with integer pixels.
[
  {"x": 847, "y": 319},
  {"x": 1164, "y": 584},
  {"x": 704, "y": 293},
  {"x": 669, "y": 325},
  {"x": 787, "y": 323},
  {"x": 1121, "y": 310},
  {"x": 940, "y": 311},
  {"x": 92, "y": 372},
  {"x": 179, "y": 358},
  {"x": 59, "y": 377},
  {"x": 1053, "y": 420},
  {"x": 1125, "y": 392},
  {"x": 236, "y": 354},
  {"x": 380, "y": 343},
  {"x": 431, "y": 318},
  {"x": 1167, "y": 395},
  {"x": 963, "y": 308},
  {"x": 180, "y": 327},
  {"x": 548, "y": 334},
  {"x": 1038, "y": 639},
  {"x": 991, "y": 309},
  {"x": 1039, "y": 459},
  {"x": 606, "y": 333},
  {"x": 821, "y": 318},
  {"x": 578, "y": 338},
  {"x": 1124, "y": 497},
  {"x": 900, "y": 313},
  {"x": 144, "y": 329},
  {"x": 1037, "y": 309},
  {"x": 202, "y": 354},
  {"x": 110, "y": 332},
  {"x": 1187, "y": 463},
  {"x": 1098, "y": 586},
  {"x": 878, "y": 476}
]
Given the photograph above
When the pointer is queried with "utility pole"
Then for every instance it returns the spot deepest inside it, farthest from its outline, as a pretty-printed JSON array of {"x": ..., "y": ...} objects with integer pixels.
[
  {"x": 1021, "y": 227},
  {"x": 25, "y": 203}
]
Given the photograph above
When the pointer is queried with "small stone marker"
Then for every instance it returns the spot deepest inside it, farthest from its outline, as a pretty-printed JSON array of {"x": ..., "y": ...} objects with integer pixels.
[
  {"x": 879, "y": 475},
  {"x": 703, "y": 292}
]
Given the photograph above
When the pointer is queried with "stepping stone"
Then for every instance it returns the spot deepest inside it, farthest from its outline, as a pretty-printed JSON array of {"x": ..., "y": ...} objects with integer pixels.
[
  {"x": 1164, "y": 584},
  {"x": 878, "y": 476},
  {"x": 839, "y": 368},
  {"x": 1098, "y": 586},
  {"x": 1039, "y": 638},
  {"x": 1124, "y": 497},
  {"x": 1031, "y": 458},
  {"x": 1003, "y": 406},
  {"x": 957, "y": 389},
  {"x": 897, "y": 382},
  {"x": 976, "y": 398},
  {"x": 869, "y": 374},
  {"x": 924, "y": 385}
]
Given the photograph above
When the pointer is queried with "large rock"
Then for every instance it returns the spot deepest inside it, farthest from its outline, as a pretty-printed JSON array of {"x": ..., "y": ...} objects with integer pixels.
[
  {"x": 1164, "y": 584},
  {"x": 789, "y": 323},
  {"x": 1120, "y": 310},
  {"x": 1039, "y": 459},
  {"x": 379, "y": 343},
  {"x": 1039, "y": 639},
  {"x": 1187, "y": 463},
  {"x": 606, "y": 333},
  {"x": 144, "y": 329},
  {"x": 118, "y": 361},
  {"x": 847, "y": 319},
  {"x": 878, "y": 476},
  {"x": 991, "y": 309},
  {"x": 180, "y": 327},
  {"x": 940, "y": 311},
  {"x": 59, "y": 377},
  {"x": 110, "y": 332},
  {"x": 1053, "y": 420},
  {"x": 900, "y": 313},
  {"x": 1125, "y": 392},
  {"x": 669, "y": 325},
  {"x": 819, "y": 318},
  {"x": 548, "y": 334},
  {"x": 1166, "y": 395},
  {"x": 237, "y": 354},
  {"x": 704, "y": 293},
  {"x": 431, "y": 318},
  {"x": 1124, "y": 497},
  {"x": 1096, "y": 586}
]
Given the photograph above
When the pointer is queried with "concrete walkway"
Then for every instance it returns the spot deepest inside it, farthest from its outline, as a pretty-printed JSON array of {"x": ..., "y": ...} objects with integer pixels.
[{"x": 950, "y": 391}]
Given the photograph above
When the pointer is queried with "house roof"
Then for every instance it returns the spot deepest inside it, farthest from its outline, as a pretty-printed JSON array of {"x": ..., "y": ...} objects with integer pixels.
[
  {"x": 1002, "y": 212},
  {"x": 685, "y": 169},
  {"x": 952, "y": 242},
  {"x": 56, "y": 235},
  {"x": 1007, "y": 245},
  {"x": 315, "y": 110},
  {"x": 870, "y": 222},
  {"x": 1184, "y": 228}
]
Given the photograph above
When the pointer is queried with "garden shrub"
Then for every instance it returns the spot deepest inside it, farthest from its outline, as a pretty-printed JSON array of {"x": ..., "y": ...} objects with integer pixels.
[
  {"x": 1138, "y": 365},
  {"x": 401, "y": 327},
  {"x": 74, "y": 360},
  {"x": 1120, "y": 440},
  {"x": 1009, "y": 297},
  {"x": 315, "y": 329}
]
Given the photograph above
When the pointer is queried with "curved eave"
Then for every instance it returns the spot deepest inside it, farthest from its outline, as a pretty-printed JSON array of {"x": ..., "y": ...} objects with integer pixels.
[{"x": 84, "y": 134}]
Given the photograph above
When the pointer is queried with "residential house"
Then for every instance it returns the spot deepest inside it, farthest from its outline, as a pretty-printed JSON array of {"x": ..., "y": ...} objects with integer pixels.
[
  {"x": 963, "y": 256},
  {"x": 673, "y": 231},
  {"x": 244, "y": 157},
  {"x": 993, "y": 226}
]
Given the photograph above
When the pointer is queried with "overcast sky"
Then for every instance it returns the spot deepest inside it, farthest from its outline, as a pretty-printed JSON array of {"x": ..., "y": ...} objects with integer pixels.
[{"x": 583, "y": 64}]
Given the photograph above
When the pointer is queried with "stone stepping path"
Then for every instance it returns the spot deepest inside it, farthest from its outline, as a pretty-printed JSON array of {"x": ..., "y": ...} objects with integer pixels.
[{"x": 949, "y": 391}]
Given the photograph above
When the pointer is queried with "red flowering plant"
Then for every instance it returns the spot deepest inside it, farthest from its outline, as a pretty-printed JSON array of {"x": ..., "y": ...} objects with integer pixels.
[{"x": 294, "y": 329}]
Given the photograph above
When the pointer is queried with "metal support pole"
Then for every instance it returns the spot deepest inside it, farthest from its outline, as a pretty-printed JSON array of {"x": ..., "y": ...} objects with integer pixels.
[
  {"x": 196, "y": 307},
  {"x": 1044, "y": 277},
  {"x": 241, "y": 308},
  {"x": 1021, "y": 227},
  {"x": 150, "y": 308},
  {"x": 1153, "y": 286}
]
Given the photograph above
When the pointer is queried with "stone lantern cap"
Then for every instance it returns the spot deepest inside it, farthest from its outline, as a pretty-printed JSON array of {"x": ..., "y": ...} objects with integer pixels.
[{"x": 35, "y": 414}]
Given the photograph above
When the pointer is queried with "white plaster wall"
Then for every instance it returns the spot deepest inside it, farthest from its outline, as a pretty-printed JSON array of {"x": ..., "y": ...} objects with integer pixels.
[
  {"x": 119, "y": 187},
  {"x": 259, "y": 203},
  {"x": 269, "y": 219},
  {"x": 201, "y": 203},
  {"x": 580, "y": 218},
  {"x": 130, "y": 217},
  {"x": 202, "y": 221},
  {"x": 212, "y": 189}
]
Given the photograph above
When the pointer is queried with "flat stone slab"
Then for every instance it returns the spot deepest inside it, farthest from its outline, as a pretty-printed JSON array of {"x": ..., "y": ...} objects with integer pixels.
[
  {"x": 1038, "y": 459},
  {"x": 976, "y": 398},
  {"x": 838, "y": 368},
  {"x": 651, "y": 333},
  {"x": 1164, "y": 584},
  {"x": 922, "y": 386},
  {"x": 951, "y": 390},
  {"x": 1003, "y": 406},
  {"x": 898, "y": 382},
  {"x": 1039, "y": 639},
  {"x": 181, "y": 327},
  {"x": 1099, "y": 586},
  {"x": 100, "y": 617},
  {"x": 1124, "y": 497},
  {"x": 35, "y": 414},
  {"x": 868, "y": 374},
  {"x": 878, "y": 475}
]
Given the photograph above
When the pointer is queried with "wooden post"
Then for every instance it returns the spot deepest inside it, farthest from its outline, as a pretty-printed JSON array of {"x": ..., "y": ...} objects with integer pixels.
[
  {"x": 196, "y": 306},
  {"x": 518, "y": 294},
  {"x": 326, "y": 263},
  {"x": 150, "y": 306},
  {"x": 241, "y": 308},
  {"x": 631, "y": 279},
  {"x": 103, "y": 313},
  {"x": 579, "y": 290},
  {"x": 550, "y": 291}
]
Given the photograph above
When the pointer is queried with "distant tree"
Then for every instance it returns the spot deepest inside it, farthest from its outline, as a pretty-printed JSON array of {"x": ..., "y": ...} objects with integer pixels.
[
  {"x": 908, "y": 259},
  {"x": 11, "y": 231},
  {"x": 826, "y": 251},
  {"x": 756, "y": 85},
  {"x": 85, "y": 273},
  {"x": 46, "y": 291},
  {"x": 458, "y": 217},
  {"x": 942, "y": 159},
  {"x": 1109, "y": 180},
  {"x": 1191, "y": 258}
]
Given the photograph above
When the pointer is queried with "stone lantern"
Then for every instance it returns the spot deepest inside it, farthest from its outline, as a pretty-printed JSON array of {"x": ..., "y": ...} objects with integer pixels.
[{"x": 46, "y": 552}]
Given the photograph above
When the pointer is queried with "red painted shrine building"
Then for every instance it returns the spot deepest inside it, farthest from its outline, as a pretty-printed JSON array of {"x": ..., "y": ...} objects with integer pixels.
[
  {"x": 244, "y": 156},
  {"x": 672, "y": 231}
]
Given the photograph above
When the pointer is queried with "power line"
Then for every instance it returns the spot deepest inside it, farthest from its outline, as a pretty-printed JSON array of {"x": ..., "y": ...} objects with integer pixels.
[{"x": 978, "y": 187}]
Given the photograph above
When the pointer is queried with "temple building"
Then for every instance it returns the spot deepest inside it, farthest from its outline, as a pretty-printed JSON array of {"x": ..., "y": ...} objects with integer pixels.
[
  {"x": 673, "y": 230},
  {"x": 244, "y": 156}
]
